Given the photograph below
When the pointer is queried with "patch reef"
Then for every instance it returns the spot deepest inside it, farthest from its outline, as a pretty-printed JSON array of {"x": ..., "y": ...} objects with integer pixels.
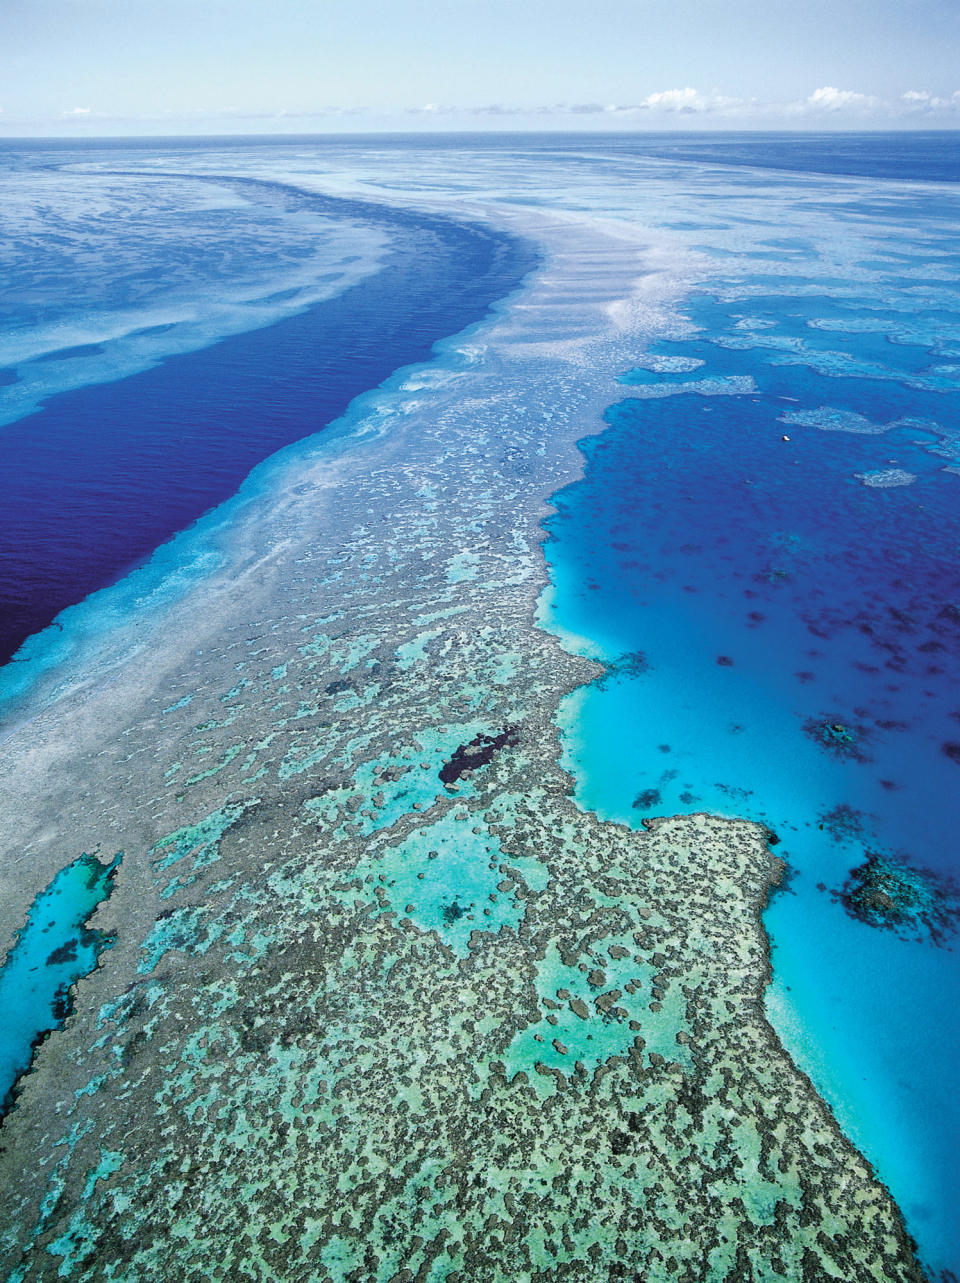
[{"x": 383, "y": 1004}]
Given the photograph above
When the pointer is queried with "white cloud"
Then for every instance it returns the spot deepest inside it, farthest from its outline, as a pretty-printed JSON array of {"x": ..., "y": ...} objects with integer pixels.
[
  {"x": 675, "y": 100},
  {"x": 498, "y": 109},
  {"x": 831, "y": 99},
  {"x": 921, "y": 100},
  {"x": 688, "y": 100},
  {"x": 687, "y": 107}
]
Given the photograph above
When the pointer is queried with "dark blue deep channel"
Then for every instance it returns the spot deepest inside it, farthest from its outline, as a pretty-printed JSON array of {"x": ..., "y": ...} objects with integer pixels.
[{"x": 102, "y": 475}]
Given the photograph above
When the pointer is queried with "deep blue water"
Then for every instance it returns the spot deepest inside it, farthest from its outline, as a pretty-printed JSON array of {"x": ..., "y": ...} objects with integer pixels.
[
  {"x": 915, "y": 155},
  {"x": 783, "y": 631},
  {"x": 101, "y": 475},
  {"x": 931, "y": 157}
]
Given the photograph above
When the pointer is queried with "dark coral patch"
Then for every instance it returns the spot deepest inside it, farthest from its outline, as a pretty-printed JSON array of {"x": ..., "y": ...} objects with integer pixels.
[
  {"x": 843, "y": 739},
  {"x": 620, "y": 1143},
  {"x": 66, "y": 953},
  {"x": 844, "y": 823},
  {"x": 649, "y": 797},
  {"x": 632, "y": 664},
  {"x": 914, "y": 903},
  {"x": 478, "y": 752}
]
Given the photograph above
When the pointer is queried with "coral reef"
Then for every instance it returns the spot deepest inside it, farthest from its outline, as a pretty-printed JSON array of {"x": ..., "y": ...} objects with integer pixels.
[{"x": 383, "y": 1003}]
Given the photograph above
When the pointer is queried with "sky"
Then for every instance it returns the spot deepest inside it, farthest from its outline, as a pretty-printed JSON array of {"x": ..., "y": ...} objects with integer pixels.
[{"x": 127, "y": 67}]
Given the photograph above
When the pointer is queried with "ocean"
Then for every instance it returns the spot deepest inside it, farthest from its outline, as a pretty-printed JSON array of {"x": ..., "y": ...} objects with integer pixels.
[
  {"x": 136, "y": 388},
  {"x": 762, "y": 550}
]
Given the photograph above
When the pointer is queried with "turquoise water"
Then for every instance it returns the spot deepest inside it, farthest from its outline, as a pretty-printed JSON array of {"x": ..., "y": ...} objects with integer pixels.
[
  {"x": 53, "y": 950},
  {"x": 764, "y": 549}
]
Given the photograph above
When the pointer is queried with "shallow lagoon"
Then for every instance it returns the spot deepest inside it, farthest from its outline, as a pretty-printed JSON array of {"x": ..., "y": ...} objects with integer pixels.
[{"x": 52, "y": 951}]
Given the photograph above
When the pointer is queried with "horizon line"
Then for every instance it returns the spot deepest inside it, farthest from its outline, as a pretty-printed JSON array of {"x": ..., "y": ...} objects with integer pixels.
[{"x": 477, "y": 133}]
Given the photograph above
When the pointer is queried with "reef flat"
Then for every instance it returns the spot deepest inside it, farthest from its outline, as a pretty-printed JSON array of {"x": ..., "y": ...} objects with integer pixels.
[{"x": 382, "y": 1002}]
